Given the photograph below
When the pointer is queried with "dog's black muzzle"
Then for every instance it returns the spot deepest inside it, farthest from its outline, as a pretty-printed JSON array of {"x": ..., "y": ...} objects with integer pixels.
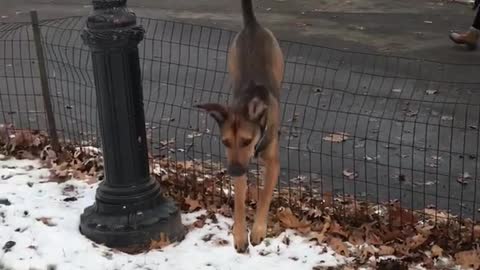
[{"x": 236, "y": 170}]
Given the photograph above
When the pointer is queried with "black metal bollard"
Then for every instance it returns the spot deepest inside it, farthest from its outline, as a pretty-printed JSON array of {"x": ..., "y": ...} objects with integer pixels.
[{"x": 129, "y": 210}]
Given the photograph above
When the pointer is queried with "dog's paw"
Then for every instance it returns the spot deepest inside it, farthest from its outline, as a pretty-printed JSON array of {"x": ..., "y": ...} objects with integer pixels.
[
  {"x": 259, "y": 232},
  {"x": 240, "y": 238}
]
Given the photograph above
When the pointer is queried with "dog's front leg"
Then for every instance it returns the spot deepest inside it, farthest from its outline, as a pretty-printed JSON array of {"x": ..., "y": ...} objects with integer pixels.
[
  {"x": 272, "y": 171},
  {"x": 240, "y": 234}
]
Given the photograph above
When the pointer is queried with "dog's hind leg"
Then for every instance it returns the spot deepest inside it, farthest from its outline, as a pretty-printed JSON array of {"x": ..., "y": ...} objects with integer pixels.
[
  {"x": 272, "y": 171},
  {"x": 240, "y": 234}
]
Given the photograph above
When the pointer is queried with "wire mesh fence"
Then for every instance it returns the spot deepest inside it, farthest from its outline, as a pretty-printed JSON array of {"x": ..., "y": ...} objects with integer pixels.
[{"x": 376, "y": 127}]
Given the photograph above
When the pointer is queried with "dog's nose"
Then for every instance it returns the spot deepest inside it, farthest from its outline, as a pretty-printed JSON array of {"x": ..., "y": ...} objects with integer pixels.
[{"x": 236, "y": 170}]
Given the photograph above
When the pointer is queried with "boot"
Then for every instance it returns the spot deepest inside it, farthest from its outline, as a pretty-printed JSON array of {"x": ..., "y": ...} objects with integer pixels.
[{"x": 470, "y": 38}]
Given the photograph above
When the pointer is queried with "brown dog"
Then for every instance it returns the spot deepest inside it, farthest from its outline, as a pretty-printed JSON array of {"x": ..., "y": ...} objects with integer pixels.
[{"x": 250, "y": 126}]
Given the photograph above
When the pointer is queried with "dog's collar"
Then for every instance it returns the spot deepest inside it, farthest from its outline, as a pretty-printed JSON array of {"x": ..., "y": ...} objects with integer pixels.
[{"x": 263, "y": 141}]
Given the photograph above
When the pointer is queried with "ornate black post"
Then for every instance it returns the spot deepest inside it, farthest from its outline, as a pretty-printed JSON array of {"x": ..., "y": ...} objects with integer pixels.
[{"x": 129, "y": 210}]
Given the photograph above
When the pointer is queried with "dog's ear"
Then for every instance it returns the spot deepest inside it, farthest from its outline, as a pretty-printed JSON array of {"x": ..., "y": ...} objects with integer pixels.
[
  {"x": 217, "y": 111},
  {"x": 256, "y": 109}
]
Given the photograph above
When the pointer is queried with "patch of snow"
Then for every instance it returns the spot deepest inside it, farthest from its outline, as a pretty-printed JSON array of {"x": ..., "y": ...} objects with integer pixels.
[{"x": 60, "y": 245}]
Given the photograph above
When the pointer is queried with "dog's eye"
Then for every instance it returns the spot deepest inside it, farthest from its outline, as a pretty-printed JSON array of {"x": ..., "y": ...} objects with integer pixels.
[
  {"x": 226, "y": 143},
  {"x": 246, "y": 142}
]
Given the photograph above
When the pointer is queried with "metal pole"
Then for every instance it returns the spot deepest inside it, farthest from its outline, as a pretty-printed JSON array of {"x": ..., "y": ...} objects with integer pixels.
[
  {"x": 129, "y": 210},
  {"x": 47, "y": 102}
]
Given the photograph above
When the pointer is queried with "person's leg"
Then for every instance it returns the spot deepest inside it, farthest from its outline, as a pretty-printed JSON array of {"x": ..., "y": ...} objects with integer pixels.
[
  {"x": 469, "y": 38},
  {"x": 476, "y": 21}
]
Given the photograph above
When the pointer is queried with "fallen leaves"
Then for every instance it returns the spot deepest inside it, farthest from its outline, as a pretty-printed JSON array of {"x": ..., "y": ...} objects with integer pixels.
[
  {"x": 289, "y": 220},
  {"x": 192, "y": 204},
  {"x": 162, "y": 242},
  {"x": 336, "y": 137},
  {"x": 469, "y": 259},
  {"x": 339, "y": 246},
  {"x": 348, "y": 226},
  {"x": 350, "y": 174},
  {"x": 386, "y": 250},
  {"x": 415, "y": 242},
  {"x": 320, "y": 237},
  {"x": 437, "y": 251}
]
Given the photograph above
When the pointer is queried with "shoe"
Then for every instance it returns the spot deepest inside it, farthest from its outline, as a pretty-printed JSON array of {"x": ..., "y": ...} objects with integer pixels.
[{"x": 470, "y": 38}]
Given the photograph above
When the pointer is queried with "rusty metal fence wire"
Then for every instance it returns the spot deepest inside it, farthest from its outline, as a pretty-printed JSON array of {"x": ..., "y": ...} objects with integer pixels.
[{"x": 377, "y": 127}]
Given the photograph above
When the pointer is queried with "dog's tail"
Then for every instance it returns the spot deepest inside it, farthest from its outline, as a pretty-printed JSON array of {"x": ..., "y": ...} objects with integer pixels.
[{"x": 248, "y": 15}]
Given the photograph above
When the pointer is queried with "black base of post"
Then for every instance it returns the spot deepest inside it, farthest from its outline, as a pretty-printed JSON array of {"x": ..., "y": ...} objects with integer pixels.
[
  {"x": 129, "y": 210},
  {"x": 132, "y": 229}
]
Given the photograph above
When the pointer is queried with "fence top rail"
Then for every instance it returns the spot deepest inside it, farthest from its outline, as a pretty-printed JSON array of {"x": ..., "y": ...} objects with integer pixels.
[{"x": 7, "y": 26}]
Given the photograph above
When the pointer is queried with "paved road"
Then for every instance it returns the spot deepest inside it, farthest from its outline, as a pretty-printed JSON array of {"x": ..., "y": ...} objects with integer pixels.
[
  {"x": 404, "y": 143},
  {"x": 387, "y": 26}
]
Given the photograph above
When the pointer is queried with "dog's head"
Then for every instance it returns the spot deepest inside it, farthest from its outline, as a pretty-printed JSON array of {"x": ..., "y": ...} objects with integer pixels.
[{"x": 241, "y": 129}]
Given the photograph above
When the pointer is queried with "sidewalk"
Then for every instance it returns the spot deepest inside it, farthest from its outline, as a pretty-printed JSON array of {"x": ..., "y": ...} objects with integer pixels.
[{"x": 408, "y": 28}]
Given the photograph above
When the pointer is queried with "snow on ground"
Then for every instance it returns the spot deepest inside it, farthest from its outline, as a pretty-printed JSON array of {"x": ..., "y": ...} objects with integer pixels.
[{"x": 44, "y": 227}]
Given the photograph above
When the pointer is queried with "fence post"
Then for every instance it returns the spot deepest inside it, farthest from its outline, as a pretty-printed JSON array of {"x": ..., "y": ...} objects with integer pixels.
[
  {"x": 129, "y": 209},
  {"x": 47, "y": 101}
]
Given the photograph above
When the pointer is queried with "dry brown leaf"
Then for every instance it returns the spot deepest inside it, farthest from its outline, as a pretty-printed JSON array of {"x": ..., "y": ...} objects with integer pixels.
[
  {"x": 386, "y": 250},
  {"x": 91, "y": 180},
  {"x": 476, "y": 232},
  {"x": 79, "y": 175},
  {"x": 437, "y": 251},
  {"x": 357, "y": 237},
  {"x": 416, "y": 241},
  {"x": 160, "y": 243},
  {"x": 372, "y": 237},
  {"x": 200, "y": 222},
  {"x": 339, "y": 246},
  {"x": 438, "y": 216},
  {"x": 328, "y": 199},
  {"x": 337, "y": 229},
  {"x": 425, "y": 229},
  {"x": 304, "y": 229},
  {"x": 225, "y": 210},
  {"x": 47, "y": 221},
  {"x": 23, "y": 138},
  {"x": 399, "y": 216},
  {"x": 367, "y": 251},
  {"x": 468, "y": 259},
  {"x": 192, "y": 204},
  {"x": 24, "y": 154},
  {"x": 402, "y": 249},
  {"x": 320, "y": 237},
  {"x": 220, "y": 242},
  {"x": 336, "y": 137},
  {"x": 289, "y": 220}
]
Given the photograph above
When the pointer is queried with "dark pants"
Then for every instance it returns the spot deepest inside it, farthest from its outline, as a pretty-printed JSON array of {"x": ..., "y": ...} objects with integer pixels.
[{"x": 476, "y": 22}]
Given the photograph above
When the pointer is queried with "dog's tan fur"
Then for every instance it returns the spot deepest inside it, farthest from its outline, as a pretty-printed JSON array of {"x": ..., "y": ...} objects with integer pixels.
[{"x": 256, "y": 66}]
